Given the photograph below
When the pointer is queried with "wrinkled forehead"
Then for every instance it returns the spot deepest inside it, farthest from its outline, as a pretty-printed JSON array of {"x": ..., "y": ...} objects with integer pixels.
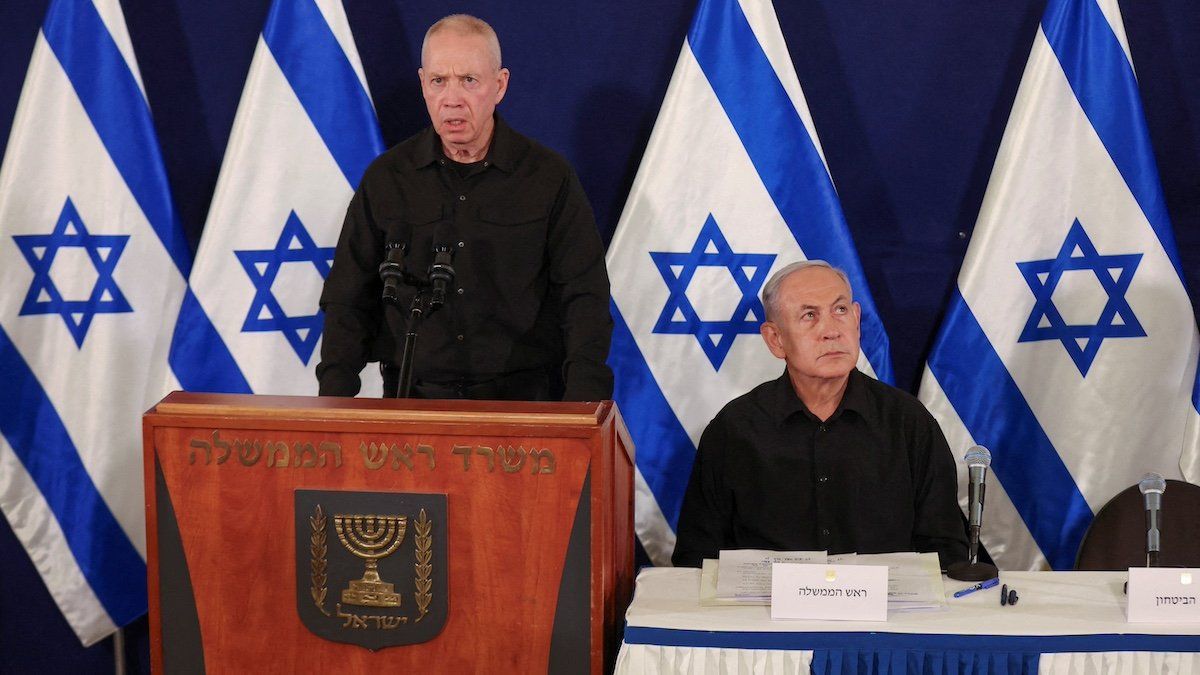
[
  {"x": 451, "y": 49},
  {"x": 816, "y": 286}
]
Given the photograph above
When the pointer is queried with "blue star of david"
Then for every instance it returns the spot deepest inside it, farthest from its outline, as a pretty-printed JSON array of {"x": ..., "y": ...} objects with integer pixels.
[
  {"x": 104, "y": 250},
  {"x": 749, "y": 272},
  {"x": 1116, "y": 320},
  {"x": 262, "y": 266}
]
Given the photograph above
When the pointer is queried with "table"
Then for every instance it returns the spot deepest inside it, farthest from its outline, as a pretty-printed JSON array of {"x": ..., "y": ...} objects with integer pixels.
[{"x": 1065, "y": 622}]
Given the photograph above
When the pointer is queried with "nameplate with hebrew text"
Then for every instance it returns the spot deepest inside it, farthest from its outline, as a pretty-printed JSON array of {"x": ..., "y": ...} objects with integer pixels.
[
  {"x": 829, "y": 592},
  {"x": 1164, "y": 595}
]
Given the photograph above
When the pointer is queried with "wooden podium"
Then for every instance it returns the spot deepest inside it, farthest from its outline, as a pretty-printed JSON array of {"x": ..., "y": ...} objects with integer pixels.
[{"x": 489, "y": 536}]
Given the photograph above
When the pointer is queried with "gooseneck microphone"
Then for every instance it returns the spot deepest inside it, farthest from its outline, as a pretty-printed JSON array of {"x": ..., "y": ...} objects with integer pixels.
[
  {"x": 1153, "y": 486},
  {"x": 391, "y": 271},
  {"x": 978, "y": 459}
]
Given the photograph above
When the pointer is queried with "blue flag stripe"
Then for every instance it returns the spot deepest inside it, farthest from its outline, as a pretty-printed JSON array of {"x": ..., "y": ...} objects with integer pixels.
[
  {"x": 115, "y": 105},
  {"x": 319, "y": 72},
  {"x": 782, "y": 152},
  {"x": 666, "y": 463},
  {"x": 96, "y": 69},
  {"x": 199, "y": 356},
  {"x": 108, "y": 560},
  {"x": 1104, "y": 83},
  {"x": 996, "y": 413}
]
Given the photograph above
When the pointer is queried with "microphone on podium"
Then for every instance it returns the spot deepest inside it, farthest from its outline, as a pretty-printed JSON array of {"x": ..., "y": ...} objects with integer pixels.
[
  {"x": 391, "y": 271},
  {"x": 1153, "y": 486},
  {"x": 978, "y": 460},
  {"x": 441, "y": 272}
]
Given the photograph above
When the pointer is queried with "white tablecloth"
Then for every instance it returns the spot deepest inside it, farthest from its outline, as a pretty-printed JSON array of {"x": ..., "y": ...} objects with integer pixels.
[{"x": 1065, "y": 622}]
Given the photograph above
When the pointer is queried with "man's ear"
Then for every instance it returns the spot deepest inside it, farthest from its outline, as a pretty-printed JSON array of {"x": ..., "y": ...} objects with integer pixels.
[
  {"x": 770, "y": 335},
  {"x": 503, "y": 85}
]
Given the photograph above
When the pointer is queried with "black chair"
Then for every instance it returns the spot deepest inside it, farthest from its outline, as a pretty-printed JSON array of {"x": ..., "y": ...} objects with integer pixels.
[{"x": 1116, "y": 539}]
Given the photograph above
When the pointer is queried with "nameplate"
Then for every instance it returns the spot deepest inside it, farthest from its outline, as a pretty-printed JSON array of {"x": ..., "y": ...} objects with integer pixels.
[
  {"x": 829, "y": 592},
  {"x": 1164, "y": 595}
]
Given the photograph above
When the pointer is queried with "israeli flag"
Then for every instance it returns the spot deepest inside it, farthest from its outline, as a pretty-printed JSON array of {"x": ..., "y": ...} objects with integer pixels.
[
  {"x": 1069, "y": 347},
  {"x": 92, "y": 263},
  {"x": 733, "y": 185},
  {"x": 304, "y": 132}
]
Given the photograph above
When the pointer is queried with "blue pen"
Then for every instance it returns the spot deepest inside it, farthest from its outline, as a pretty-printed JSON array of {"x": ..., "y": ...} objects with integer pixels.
[{"x": 977, "y": 587}]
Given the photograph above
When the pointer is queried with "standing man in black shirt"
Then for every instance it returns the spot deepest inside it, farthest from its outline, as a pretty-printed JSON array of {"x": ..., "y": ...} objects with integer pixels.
[
  {"x": 825, "y": 457},
  {"x": 528, "y": 316}
]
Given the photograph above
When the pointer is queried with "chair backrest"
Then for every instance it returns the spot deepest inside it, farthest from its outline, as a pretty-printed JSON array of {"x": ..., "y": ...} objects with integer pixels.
[{"x": 1116, "y": 539}]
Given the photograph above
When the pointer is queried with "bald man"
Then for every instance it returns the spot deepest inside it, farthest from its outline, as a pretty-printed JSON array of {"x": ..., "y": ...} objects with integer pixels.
[
  {"x": 527, "y": 317},
  {"x": 824, "y": 458}
]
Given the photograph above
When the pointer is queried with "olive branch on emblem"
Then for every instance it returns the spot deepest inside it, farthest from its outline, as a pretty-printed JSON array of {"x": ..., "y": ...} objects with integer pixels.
[
  {"x": 318, "y": 565},
  {"x": 423, "y": 568}
]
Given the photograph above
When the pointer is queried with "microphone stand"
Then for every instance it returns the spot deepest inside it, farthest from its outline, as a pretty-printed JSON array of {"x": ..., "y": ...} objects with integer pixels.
[
  {"x": 430, "y": 295},
  {"x": 416, "y": 312},
  {"x": 1152, "y": 487}
]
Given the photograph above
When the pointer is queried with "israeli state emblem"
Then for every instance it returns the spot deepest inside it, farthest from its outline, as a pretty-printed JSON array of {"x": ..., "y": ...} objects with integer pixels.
[{"x": 371, "y": 567}]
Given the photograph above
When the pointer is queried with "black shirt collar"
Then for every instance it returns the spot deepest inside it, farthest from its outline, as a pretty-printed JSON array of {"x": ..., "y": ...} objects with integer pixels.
[
  {"x": 505, "y": 150},
  {"x": 782, "y": 401}
]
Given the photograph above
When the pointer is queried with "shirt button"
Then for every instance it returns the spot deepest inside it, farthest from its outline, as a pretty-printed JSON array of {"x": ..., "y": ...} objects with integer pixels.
[
  {"x": 485, "y": 163},
  {"x": 462, "y": 244},
  {"x": 462, "y": 198},
  {"x": 460, "y": 338},
  {"x": 825, "y": 532},
  {"x": 461, "y": 291},
  {"x": 442, "y": 162},
  {"x": 823, "y": 479},
  {"x": 821, "y": 428}
]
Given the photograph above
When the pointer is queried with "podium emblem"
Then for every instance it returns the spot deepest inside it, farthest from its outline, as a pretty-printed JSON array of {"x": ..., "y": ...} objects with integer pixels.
[
  {"x": 371, "y": 538},
  {"x": 371, "y": 567}
]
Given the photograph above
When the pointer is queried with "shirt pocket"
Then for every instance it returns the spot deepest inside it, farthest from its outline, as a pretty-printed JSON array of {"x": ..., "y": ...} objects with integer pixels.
[
  {"x": 512, "y": 215},
  {"x": 418, "y": 226},
  {"x": 515, "y": 233}
]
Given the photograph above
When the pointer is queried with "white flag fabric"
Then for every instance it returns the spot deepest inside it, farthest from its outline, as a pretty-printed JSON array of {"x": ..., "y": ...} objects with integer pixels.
[
  {"x": 733, "y": 185},
  {"x": 304, "y": 132},
  {"x": 92, "y": 263},
  {"x": 1069, "y": 347}
]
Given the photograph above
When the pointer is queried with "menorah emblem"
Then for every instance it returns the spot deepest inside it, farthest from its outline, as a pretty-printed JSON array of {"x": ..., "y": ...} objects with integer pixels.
[{"x": 371, "y": 538}]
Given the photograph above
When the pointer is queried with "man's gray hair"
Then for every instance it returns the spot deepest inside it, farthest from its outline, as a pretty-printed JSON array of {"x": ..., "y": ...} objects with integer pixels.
[
  {"x": 771, "y": 289},
  {"x": 465, "y": 24}
]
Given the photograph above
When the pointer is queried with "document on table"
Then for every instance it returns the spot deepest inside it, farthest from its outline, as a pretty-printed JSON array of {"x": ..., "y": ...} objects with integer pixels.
[
  {"x": 746, "y": 573},
  {"x": 708, "y": 588},
  {"x": 743, "y": 577},
  {"x": 914, "y": 579}
]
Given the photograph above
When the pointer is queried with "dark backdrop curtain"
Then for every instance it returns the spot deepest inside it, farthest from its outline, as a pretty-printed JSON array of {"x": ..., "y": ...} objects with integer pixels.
[{"x": 909, "y": 98}]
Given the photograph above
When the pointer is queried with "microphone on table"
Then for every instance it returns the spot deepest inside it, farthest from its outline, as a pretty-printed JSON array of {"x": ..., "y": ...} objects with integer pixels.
[
  {"x": 1153, "y": 486},
  {"x": 978, "y": 460}
]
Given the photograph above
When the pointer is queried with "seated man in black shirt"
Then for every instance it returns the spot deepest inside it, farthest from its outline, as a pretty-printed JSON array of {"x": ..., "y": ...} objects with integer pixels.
[
  {"x": 825, "y": 457},
  {"x": 528, "y": 315}
]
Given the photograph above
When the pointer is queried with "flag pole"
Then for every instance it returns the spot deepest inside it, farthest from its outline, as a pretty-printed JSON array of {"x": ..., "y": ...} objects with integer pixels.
[{"x": 119, "y": 652}]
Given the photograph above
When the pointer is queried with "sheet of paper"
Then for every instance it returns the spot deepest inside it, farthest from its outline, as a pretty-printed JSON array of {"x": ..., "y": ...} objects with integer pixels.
[
  {"x": 746, "y": 573},
  {"x": 914, "y": 579},
  {"x": 918, "y": 589},
  {"x": 708, "y": 589}
]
